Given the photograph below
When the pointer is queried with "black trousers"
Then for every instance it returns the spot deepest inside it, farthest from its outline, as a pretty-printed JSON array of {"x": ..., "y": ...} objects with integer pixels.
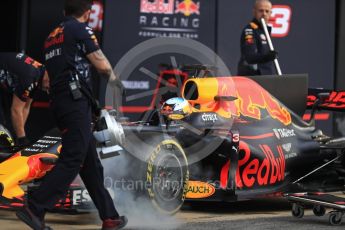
[{"x": 78, "y": 155}]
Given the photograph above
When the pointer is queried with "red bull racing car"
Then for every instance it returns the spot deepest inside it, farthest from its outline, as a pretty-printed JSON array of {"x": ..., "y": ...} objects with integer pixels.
[{"x": 221, "y": 139}]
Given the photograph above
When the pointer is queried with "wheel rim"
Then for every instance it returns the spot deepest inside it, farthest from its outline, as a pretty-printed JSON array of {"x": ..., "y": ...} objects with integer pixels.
[{"x": 168, "y": 178}]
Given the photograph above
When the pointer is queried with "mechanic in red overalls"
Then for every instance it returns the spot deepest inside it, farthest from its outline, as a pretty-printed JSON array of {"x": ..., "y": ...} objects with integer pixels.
[
  {"x": 20, "y": 75},
  {"x": 70, "y": 49}
]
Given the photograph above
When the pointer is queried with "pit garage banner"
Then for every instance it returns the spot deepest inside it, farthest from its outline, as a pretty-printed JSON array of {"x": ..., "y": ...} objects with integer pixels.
[
  {"x": 129, "y": 24},
  {"x": 305, "y": 41}
]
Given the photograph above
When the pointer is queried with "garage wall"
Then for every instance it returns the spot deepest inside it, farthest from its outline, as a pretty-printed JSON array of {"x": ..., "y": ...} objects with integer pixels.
[
  {"x": 340, "y": 67},
  {"x": 339, "y": 120}
]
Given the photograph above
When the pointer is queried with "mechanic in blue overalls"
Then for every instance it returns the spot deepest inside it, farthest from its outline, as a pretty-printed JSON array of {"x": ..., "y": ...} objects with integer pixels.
[
  {"x": 70, "y": 49},
  {"x": 20, "y": 75},
  {"x": 256, "y": 57}
]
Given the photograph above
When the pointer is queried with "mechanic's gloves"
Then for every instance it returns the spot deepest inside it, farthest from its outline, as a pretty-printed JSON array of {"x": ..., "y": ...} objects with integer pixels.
[
  {"x": 96, "y": 108},
  {"x": 271, "y": 55},
  {"x": 22, "y": 141},
  {"x": 117, "y": 83}
]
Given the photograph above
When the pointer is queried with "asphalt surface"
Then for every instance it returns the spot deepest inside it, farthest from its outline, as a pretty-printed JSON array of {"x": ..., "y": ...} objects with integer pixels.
[{"x": 258, "y": 214}]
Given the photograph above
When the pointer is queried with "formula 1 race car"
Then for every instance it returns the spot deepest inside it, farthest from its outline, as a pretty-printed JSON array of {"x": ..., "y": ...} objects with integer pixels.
[{"x": 225, "y": 139}]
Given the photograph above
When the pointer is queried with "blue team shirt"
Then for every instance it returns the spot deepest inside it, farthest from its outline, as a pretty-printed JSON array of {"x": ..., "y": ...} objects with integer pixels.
[
  {"x": 20, "y": 74},
  {"x": 65, "y": 51},
  {"x": 254, "y": 48}
]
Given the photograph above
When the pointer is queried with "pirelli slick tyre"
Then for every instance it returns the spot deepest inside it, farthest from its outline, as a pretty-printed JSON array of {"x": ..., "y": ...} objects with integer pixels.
[
  {"x": 166, "y": 176},
  {"x": 6, "y": 143}
]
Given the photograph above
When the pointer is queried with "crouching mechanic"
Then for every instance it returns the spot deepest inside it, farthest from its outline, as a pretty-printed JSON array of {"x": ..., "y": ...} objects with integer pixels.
[
  {"x": 70, "y": 49},
  {"x": 20, "y": 74}
]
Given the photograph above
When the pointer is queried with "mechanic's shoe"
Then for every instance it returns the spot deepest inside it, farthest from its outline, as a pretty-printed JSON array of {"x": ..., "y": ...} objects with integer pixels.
[
  {"x": 25, "y": 215},
  {"x": 114, "y": 224}
]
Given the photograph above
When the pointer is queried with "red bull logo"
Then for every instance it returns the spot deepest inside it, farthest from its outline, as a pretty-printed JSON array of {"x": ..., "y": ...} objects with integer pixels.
[
  {"x": 157, "y": 6},
  {"x": 187, "y": 7},
  {"x": 251, "y": 171},
  {"x": 176, "y": 22}
]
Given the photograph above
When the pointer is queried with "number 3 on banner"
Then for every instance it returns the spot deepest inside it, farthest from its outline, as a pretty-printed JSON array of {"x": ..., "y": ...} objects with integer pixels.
[
  {"x": 96, "y": 16},
  {"x": 280, "y": 20}
]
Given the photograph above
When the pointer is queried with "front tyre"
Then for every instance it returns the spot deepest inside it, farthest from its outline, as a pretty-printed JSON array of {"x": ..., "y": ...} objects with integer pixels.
[
  {"x": 6, "y": 139},
  {"x": 167, "y": 176}
]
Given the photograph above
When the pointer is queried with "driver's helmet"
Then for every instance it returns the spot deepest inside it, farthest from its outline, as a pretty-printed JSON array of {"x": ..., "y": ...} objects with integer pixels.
[
  {"x": 5, "y": 137},
  {"x": 176, "y": 108}
]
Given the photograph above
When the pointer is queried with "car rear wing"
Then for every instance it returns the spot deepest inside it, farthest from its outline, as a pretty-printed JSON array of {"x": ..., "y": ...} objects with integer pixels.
[{"x": 333, "y": 100}]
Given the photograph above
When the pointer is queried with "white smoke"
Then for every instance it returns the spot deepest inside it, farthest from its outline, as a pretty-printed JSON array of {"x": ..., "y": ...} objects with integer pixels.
[{"x": 139, "y": 210}]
